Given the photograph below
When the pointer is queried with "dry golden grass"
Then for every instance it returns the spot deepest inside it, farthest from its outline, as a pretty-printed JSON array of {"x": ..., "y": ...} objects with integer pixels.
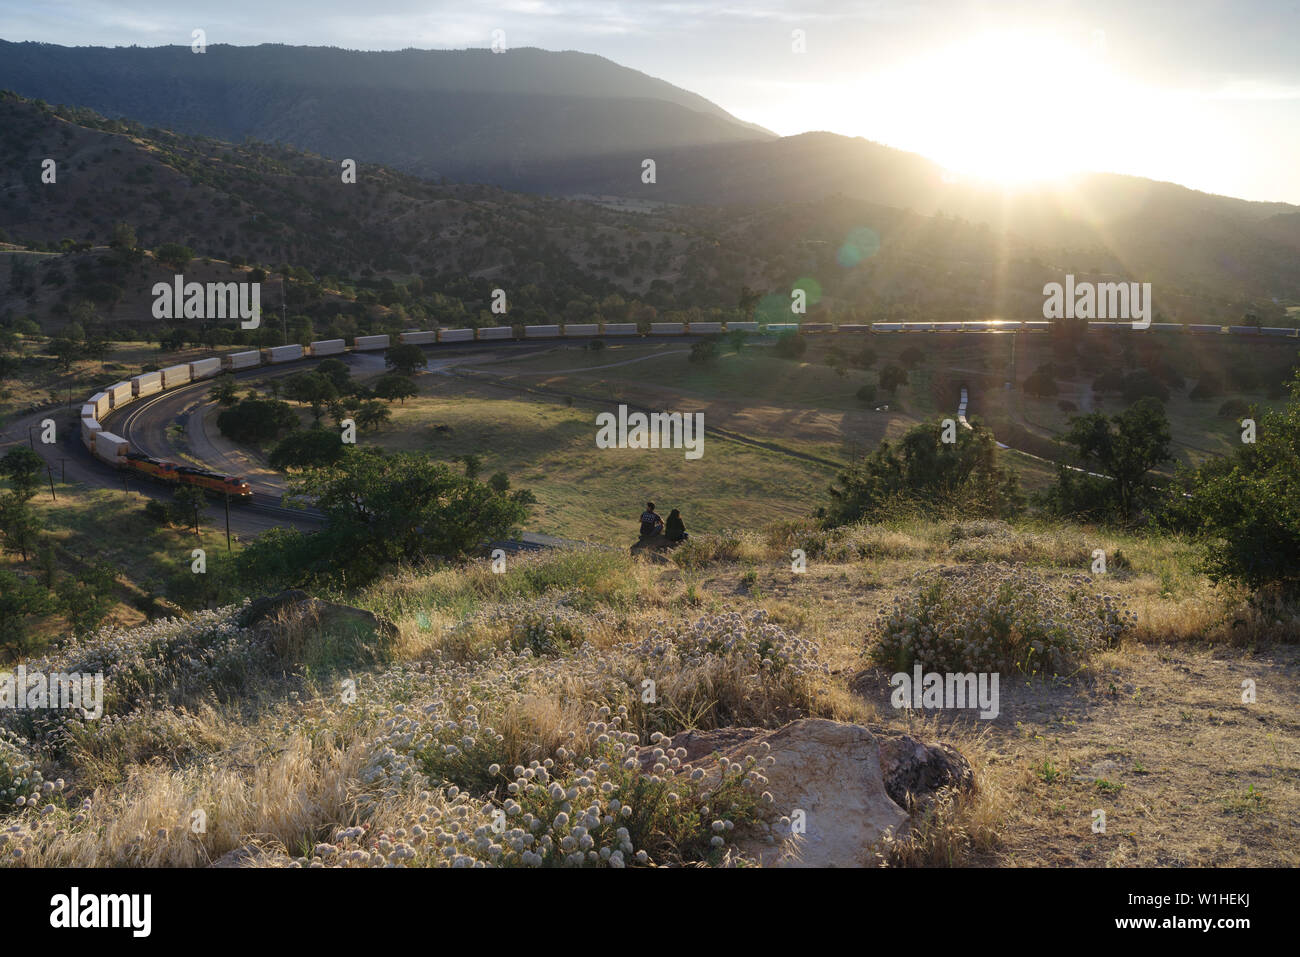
[{"x": 1153, "y": 732}]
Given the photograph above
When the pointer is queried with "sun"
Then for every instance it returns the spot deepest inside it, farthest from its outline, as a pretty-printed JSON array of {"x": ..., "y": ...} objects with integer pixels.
[{"x": 1001, "y": 105}]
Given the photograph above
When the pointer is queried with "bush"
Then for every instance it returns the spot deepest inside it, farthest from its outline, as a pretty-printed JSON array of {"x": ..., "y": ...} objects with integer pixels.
[
  {"x": 790, "y": 345},
  {"x": 1234, "y": 409},
  {"x": 1141, "y": 384},
  {"x": 866, "y": 393},
  {"x": 1207, "y": 387},
  {"x": 996, "y": 618}
]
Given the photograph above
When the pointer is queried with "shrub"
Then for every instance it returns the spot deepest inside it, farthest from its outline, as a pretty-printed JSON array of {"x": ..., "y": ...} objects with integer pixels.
[
  {"x": 1234, "y": 409},
  {"x": 996, "y": 617},
  {"x": 790, "y": 345},
  {"x": 866, "y": 393}
]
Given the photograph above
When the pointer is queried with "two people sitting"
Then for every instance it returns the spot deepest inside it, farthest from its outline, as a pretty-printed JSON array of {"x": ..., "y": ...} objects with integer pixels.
[{"x": 651, "y": 525}]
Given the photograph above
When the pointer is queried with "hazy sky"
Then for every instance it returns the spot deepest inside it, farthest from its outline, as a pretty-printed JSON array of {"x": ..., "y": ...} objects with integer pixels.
[{"x": 1199, "y": 92}]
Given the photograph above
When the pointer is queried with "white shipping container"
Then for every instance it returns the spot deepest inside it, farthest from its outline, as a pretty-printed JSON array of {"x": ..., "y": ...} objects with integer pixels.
[
  {"x": 742, "y": 326},
  {"x": 88, "y": 411},
  {"x": 88, "y": 429},
  {"x": 109, "y": 447},
  {"x": 455, "y": 335},
  {"x": 581, "y": 329},
  {"x": 242, "y": 360},
  {"x": 290, "y": 353},
  {"x": 417, "y": 338},
  {"x": 173, "y": 376},
  {"x": 100, "y": 401},
  {"x": 364, "y": 343},
  {"x": 496, "y": 332},
  {"x": 205, "y": 368},
  {"x": 328, "y": 347},
  {"x": 148, "y": 383},
  {"x": 119, "y": 394},
  {"x": 667, "y": 328},
  {"x": 782, "y": 326},
  {"x": 620, "y": 329},
  {"x": 541, "y": 332},
  {"x": 705, "y": 328}
]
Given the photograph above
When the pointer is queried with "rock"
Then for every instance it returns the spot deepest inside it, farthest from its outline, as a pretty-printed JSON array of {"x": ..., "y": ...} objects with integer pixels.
[
  {"x": 911, "y": 769},
  {"x": 914, "y": 771},
  {"x": 828, "y": 770},
  {"x": 319, "y": 634},
  {"x": 260, "y": 608}
]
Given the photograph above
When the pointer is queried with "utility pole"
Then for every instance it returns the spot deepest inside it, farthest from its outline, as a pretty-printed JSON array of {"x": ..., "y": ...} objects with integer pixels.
[
  {"x": 227, "y": 521},
  {"x": 30, "y": 440},
  {"x": 50, "y": 472},
  {"x": 63, "y": 471}
]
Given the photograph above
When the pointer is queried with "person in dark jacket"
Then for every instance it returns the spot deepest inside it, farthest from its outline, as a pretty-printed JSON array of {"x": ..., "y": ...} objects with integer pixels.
[
  {"x": 675, "y": 528},
  {"x": 651, "y": 523}
]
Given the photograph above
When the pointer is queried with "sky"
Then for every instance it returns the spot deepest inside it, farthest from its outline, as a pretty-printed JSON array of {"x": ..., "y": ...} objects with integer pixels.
[{"x": 1198, "y": 92}]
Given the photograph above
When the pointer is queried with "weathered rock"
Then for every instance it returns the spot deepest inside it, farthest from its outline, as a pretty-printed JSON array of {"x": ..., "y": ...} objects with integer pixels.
[
  {"x": 260, "y": 608},
  {"x": 911, "y": 769},
  {"x": 828, "y": 770}
]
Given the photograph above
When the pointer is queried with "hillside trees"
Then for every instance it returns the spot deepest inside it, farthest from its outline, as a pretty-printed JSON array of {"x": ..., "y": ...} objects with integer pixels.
[
  {"x": 1246, "y": 508},
  {"x": 1124, "y": 448},
  {"x": 923, "y": 471}
]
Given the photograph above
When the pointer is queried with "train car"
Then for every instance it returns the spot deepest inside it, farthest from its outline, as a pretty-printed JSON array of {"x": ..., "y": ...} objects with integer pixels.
[
  {"x": 455, "y": 335},
  {"x": 102, "y": 406},
  {"x": 1166, "y": 327},
  {"x": 88, "y": 429},
  {"x": 667, "y": 328},
  {"x": 1102, "y": 325},
  {"x": 496, "y": 332},
  {"x": 816, "y": 327},
  {"x": 854, "y": 328},
  {"x": 1005, "y": 325},
  {"x": 1243, "y": 330},
  {"x": 369, "y": 343},
  {"x": 704, "y": 328},
  {"x": 776, "y": 328},
  {"x": 541, "y": 332},
  {"x": 148, "y": 383},
  {"x": 620, "y": 329},
  {"x": 1037, "y": 325},
  {"x": 934, "y": 326},
  {"x": 1204, "y": 329},
  {"x": 742, "y": 327},
  {"x": 109, "y": 448},
  {"x": 277, "y": 354},
  {"x": 917, "y": 326},
  {"x": 328, "y": 347},
  {"x": 417, "y": 338},
  {"x": 88, "y": 411},
  {"x": 205, "y": 368},
  {"x": 120, "y": 394},
  {"x": 230, "y": 485},
  {"x": 174, "y": 376},
  {"x": 886, "y": 327},
  {"x": 1280, "y": 331},
  {"x": 156, "y": 469},
  {"x": 241, "y": 360}
]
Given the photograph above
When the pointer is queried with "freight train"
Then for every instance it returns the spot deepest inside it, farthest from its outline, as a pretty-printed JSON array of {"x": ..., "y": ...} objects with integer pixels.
[{"x": 117, "y": 452}]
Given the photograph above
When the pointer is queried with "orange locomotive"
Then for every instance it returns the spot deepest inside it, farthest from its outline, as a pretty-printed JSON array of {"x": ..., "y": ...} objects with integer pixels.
[
  {"x": 169, "y": 473},
  {"x": 214, "y": 482}
]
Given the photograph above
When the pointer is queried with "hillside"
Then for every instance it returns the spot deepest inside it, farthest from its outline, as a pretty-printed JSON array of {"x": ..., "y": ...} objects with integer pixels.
[
  {"x": 468, "y": 115},
  {"x": 559, "y": 259}
]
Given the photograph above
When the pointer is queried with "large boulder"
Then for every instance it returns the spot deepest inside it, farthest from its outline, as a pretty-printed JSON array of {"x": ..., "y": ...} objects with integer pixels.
[
  {"x": 320, "y": 634},
  {"x": 830, "y": 771}
]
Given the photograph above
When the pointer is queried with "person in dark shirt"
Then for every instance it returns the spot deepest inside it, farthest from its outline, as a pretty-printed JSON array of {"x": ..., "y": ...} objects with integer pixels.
[
  {"x": 651, "y": 523},
  {"x": 675, "y": 528}
]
